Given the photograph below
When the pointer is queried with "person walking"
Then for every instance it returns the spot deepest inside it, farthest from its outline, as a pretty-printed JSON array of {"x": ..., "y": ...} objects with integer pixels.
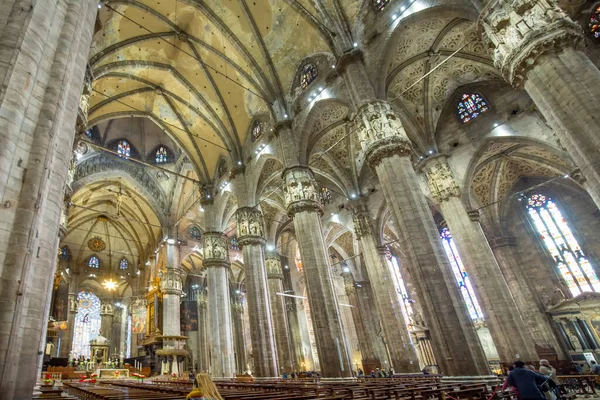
[
  {"x": 549, "y": 371},
  {"x": 527, "y": 382}
]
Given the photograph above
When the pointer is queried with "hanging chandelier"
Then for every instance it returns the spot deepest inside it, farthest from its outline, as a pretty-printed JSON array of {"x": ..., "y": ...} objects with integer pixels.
[{"x": 110, "y": 284}]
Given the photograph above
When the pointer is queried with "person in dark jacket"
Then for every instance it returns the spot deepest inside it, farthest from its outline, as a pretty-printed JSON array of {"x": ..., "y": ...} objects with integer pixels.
[{"x": 527, "y": 382}]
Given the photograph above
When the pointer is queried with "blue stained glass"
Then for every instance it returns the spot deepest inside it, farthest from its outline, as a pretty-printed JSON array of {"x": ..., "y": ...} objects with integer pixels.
[
  {"x": 161, "y": 155},
  {"x": 308, "y": 75},
  {"x": 595, "y": 23},
  {"x": 123, "y": 264},
  {"x": 93, "y": 262},
  {"x": 124, "y": 149},
  {"x": 471, "y": 106}
]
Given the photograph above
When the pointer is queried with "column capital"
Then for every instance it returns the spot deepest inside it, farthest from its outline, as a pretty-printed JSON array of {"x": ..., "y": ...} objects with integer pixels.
[
  {"x": 250, "y": 227},
  {"x": 349, "y": 284},
  {"x": 503, "y": 241},
  {"x": 518, "y": 32},
  {"x": 440, "y": 178},
  {"x": 353, "y": 55},
  {"x": 361, "y": 220},
  {"x": 474, "y": 215},
  {"x": 171, "y": 281},
  {"x": 300, "y": 190},
  {"x": 215, "y": 250},
  {"x": 273, "y": 265},
  {"x": 107, "y": 307},
  {"x": 380, "y": 132}
]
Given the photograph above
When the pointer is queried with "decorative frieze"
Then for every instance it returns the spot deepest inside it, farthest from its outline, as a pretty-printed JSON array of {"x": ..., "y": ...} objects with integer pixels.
[
  {"x": 518, "y": 32},
  {"x": 273, "y": 264},
  {"x": 440, "y": 179},
  {"x": 171, "y": 281},
  {"x": 250, "y": 226},
  {"x": 215, "y": 250},
  {"x": 380, "y": 132},
  {"x": 301, "y": 191}
]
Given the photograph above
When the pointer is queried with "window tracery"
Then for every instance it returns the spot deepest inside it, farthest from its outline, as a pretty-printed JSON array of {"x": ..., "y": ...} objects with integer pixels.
[
  {"x": 257, "y": 130},
  {"x": 87, "y": 323},
  {"x": 161, "y": 155},
  {"x": 595, "y": 23},
  {"x": 124, "y": 149},
  {"x": 471, "y": 106},
  {"x": 379, "y": 5},
  {"x": 94, "y": 262},
  {"x": 461, "y": 276},
  {"x": 561, "y": 244},
  {"x": 124, "y": 264},
  {"x": 308, "y": 75}
]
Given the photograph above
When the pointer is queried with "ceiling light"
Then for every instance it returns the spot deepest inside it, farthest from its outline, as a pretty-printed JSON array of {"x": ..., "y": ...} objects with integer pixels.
[
  {"x": 430, "y": 151},
  {"x": 285, "y": 115},
  {"x": 394, "y": 16},
  {"x": 352, "y": 196},
  {"x": 495, "y": 125},
  {"x": 99, "y": 5},
  {"x": 402, "y": 8},
  {"x": 138, "y": 272},
  {"x": 355, "y": 44},
  {"x": 566, "y": 176},
  {"x": 239, "y": 163},
  {"x": 109, "y": 285},
  {"x": 286, "y": 267},
  {"x": 333, "y": 66},
  {"x": 320, "y": 88}
]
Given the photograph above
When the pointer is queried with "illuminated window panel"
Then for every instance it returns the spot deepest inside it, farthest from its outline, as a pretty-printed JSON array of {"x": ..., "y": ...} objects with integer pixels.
[
  {"x": 161, "y": 155},
  {"x": 124, "y": 149},
  {"x": 561, "y": 245},
  {"x": 402, "y": 293},
  {"x": 87, "y": 323},
  {"x": 471, "y": 106}
]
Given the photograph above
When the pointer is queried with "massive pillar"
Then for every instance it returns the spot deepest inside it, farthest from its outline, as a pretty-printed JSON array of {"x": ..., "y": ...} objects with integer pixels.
[
  {"x": 237, "y": 310},
  {"x": 500, "y": 311},
  {"x": 536, "y": 46},
  {"x": 45, "y": 46},
  {"x": 171, "y": 285},
  {"x": 107, "y": 315},
  {"x": 251, "y": 239},
  {"x": 280, "y": 320},
  {"x": 523, "y": 293},
  {"x": 291, "y": 309},
  {"x": 203, "y": 351},
  {"x": 302, "y": 202},
  {"x": 216, "y": 261},
  {"x": 67, "y": 337},
  {"x": 402, "y": 353}
]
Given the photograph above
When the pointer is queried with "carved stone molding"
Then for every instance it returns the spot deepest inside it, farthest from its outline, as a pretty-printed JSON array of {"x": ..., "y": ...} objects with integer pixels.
[
  {"x": 300, "y": 191},
  {"x": 380, "y": 133},
  {"x": 503, "y": 241},
  {"x": 518, "y": 32},
  {"x": 107, "y": 307},
  {"x": 273, "y": 264},
  {"x": 171, "y": 281},
  {"x": 250, "y": 227},
  {"x": 474, "y": 215},
  {"x": 440, "y": 179},
  {"x": 215, "y": 250}
]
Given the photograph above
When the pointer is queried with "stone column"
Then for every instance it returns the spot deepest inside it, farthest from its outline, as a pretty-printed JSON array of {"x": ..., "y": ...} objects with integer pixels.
[
  {"x": 203, "y": 352},
  {"x": 529, "y": 306},
  {"x": 388, "y": 151},
  {"x": 366, "y": 321},
  {"x": 216, "y": 261},
  {"x": 237, "y": 310},
  {"x": 302, "y": 202},
  {"x": 45, "y": 46},
  {"x": 537, "y": 46},
  {"x": 500, "y": 311},
  {"x": 107, "y": 314},
  {"x": 171, "y": 285},
  {"x": 402, "y": 353},
  {"x": 291, "y": 309},
  {"x": 280, "y": 320},
  {"x": 250, "y": 228},
  {"x": 67, "y": 339}
]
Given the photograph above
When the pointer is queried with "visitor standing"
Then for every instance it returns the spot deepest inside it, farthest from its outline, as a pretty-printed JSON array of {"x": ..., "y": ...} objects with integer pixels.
[{"x": 527, "y": 382}]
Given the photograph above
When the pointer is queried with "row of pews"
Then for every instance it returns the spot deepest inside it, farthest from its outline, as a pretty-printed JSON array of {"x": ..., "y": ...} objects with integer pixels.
[{"x": 412, "y": 388}]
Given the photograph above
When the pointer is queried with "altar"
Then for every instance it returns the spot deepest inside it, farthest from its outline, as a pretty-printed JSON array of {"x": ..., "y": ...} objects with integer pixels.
[{"x": 112, "y": 373}]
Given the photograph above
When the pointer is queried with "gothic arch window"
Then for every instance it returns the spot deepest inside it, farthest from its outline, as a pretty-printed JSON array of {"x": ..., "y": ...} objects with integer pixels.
[
  {"x": 161, "y": 155},
  {"x": 326, "y": 196},
  {"x": 471, "y": 106},
  {"x": 124, "y": 264},
  {"x": 234, "y": 243},
  {"x": 461, "y": 276},
  {"x": 87, "y": 323},
  {"x": 257, "y": 130},
  {"x": 402, "y": 293},
  {"x": 379, "y": 5},
  {"x": 308, "y": 75},
  {"x": 561, "y": 245},
  {"x": 124, "y": 149},
  {"x": 595, "y": 23},
  {"x": 64, "y": 253},
  {"x": 94, "y": 262},
  {"x": 195, "y": 233}
]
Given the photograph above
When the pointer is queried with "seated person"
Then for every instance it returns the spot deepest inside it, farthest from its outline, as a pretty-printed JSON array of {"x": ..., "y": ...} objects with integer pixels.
[{"x": 205, "y": 389}]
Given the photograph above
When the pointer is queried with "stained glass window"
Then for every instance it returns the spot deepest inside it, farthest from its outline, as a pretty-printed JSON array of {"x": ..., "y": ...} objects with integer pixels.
[
  {"x": 257, "y": 130},
  {"x": 326, "y": 196},
  {"x": 308, "y": 75},
  {"x": 562, "y": 246},
  {"x": 595, "y": 23},
  {"x": 195, "y": 233},
  {"x": 64, "y": 253},
  {"x": 87, "y": 323},
  {"x": 379, "y": 5},
  {"x": 123, "y": 264},
  {"x": 93, "y": 262},
  {"x": 234, "y": 244},
  {"x": 402, "y": 293},
  {"x": 471, "y": 106},
  {"x": 462, "y": 278},
  {"x": 128, "y": 338},
  {"x": 124, "y": 149},
  {"x": 89, "y": 133},
  {"x": 161, "y": 155}
]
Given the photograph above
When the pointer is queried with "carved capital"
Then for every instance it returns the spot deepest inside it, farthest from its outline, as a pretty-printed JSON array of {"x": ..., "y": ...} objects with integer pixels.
[
  {"x": 107, "y": 308},
  {"x": 273, "y": 265},
  {"x": 171, "y": 281},
  {"x": 362, "y": 221},
  {"x": 518, "y": 32},
  {"x": 300, "y": 191},
  {"x": 474, "y": 215},
  {"x": 250, "y": 226},
  {"x": 73, "y": 303},
  {"x": 215, "y": 250},
  {"x": 380, "y": 133},
  {"x": 349, "y": 284},
  {"x": 440, "y": 179}
]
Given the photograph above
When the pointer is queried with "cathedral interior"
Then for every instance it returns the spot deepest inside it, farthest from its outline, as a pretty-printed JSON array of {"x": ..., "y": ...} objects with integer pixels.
[{"x": 261, "y": 188}]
